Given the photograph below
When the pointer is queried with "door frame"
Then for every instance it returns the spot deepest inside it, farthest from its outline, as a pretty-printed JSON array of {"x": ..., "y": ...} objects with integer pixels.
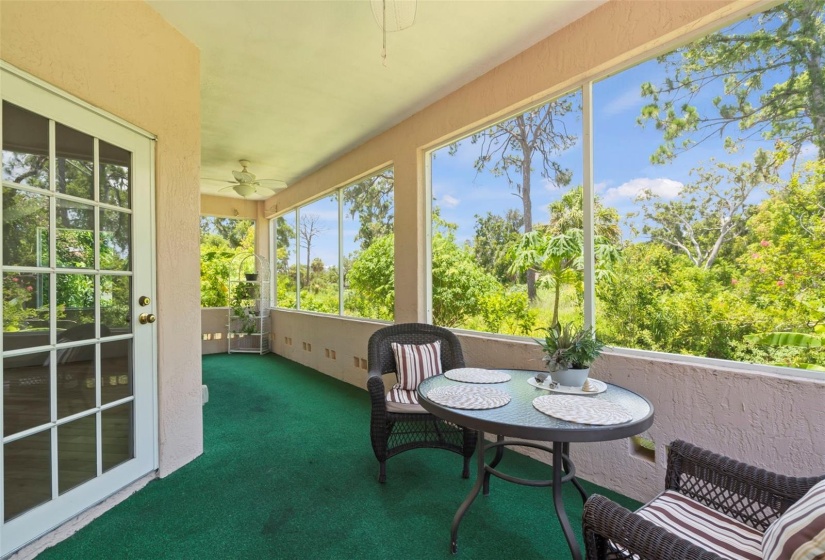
[{"x": 33, "y": 94}]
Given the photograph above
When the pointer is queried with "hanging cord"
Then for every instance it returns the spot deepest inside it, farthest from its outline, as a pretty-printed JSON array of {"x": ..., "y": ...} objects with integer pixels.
[{"x": 384, "y": 33}]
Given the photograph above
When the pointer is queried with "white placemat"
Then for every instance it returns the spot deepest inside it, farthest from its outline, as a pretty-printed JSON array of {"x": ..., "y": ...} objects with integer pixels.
[
  {"x": 477, "y": 375},
  {"x": 582, "y": 410},
  {"x": 468, "y": 397},
  {"x": 599, "y": 386}
]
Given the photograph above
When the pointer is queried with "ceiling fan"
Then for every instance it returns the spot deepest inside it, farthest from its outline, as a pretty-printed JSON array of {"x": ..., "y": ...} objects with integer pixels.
[{"x": 247, "y": 183}]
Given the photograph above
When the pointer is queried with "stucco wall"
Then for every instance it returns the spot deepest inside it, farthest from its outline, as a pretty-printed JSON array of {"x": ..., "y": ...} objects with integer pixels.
[
  {"x": 767, "y": 420},
  {"x": 124, "y": 58},
  {"x": 214, "y": 330}
]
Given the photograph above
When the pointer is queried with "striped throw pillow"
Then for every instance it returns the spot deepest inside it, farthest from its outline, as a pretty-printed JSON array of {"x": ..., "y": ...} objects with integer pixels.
[
  {"x": 799, "y": 534},
  {"x": 416, "y": 362}
]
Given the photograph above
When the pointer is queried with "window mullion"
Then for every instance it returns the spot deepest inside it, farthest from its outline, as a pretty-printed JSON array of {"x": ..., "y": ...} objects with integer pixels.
[{"x": 588, "y": 202}]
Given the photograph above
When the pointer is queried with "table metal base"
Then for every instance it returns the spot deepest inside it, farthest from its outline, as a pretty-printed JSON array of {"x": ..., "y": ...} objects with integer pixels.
[{"x": 563, "y": 471}]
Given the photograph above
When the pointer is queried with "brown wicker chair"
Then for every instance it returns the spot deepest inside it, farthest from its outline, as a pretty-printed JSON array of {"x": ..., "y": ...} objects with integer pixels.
[
  {"x": 394, "y": 432},
  {"x": 749, "y": 495}
]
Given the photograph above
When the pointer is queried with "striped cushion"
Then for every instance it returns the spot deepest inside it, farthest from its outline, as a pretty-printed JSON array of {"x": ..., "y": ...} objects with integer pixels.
[
  {"x": 401, "y": 400},
  {"x": 799, "y": 534},
  {"x": 703, "y": 526},
  {"x": 416, "y": 362}
]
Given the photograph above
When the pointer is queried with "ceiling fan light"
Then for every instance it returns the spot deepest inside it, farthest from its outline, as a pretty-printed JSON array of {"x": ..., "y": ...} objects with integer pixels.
[{"x": 244, "y": 189}]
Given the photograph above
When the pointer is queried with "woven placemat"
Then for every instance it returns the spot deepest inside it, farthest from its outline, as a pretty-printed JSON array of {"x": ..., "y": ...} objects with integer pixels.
[
  {"x": 468, "y": 397},
  {"x": 582, "y": 410},
  {"x": 477, "y": 375}
]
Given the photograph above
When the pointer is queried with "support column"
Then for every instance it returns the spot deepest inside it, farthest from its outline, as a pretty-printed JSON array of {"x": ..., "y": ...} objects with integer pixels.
[{"x": 411, "y": 241}]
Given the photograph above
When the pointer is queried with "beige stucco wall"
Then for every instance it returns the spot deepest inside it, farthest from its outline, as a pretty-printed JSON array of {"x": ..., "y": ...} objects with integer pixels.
[
  {"x": 214, "y": 330},
  {"x": 124, "y": 58},
  {"x": 767, "y": 420}
]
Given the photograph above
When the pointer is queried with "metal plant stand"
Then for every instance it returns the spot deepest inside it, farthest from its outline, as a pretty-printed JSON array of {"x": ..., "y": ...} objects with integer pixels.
[{"x": 249, "y": 323}]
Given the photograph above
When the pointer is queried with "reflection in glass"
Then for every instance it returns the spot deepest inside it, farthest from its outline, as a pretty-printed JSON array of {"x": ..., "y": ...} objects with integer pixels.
[
  {"x": 115, "y": 176},
  {"x": 25, "y": 225},
  {"x": 76, "y": 297},
  {"x": 115, "y": 370},
  {"x": 74, "y": 243},
  {"x": 286, "y": 234},
  {"x": 25, "y": 310},
  {"x": 75, "y": 376},
  {"x": 27, "y": 473},
  {"x": 115, "y": 240},
  {"x": 25, "y": 147},
  {"x": 75, "y": 160},
  {"x": 118, "y": 436},
  {"x": 76, "y": 452},
  {"x": 115, "y": 303},
  {"x": 26, "y": 392}
]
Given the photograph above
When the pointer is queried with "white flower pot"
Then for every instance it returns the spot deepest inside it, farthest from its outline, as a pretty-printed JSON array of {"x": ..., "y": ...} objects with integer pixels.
[{"x": 570, "y": 377}]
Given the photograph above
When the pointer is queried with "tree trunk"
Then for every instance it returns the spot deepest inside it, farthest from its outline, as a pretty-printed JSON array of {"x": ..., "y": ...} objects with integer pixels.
[
  {"x": 528, "y": 211},
  {"x": 308, "y": 244}
]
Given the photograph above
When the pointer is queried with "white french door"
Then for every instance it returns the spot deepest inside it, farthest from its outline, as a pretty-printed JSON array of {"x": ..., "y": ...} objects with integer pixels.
[{"x": 78, "y": 411}]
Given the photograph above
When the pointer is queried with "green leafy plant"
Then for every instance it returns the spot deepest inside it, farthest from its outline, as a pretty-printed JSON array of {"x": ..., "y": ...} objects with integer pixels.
[{"x": 566, "y": 346}]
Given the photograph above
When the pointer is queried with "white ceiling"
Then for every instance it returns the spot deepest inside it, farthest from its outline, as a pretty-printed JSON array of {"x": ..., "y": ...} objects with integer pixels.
[{"x": 292, "y": 85}]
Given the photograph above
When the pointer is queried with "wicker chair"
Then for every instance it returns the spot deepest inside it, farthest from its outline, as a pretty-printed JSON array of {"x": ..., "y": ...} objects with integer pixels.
[
  {"x": 395, "y": 432},
  {"x": 744, "y": 494}
]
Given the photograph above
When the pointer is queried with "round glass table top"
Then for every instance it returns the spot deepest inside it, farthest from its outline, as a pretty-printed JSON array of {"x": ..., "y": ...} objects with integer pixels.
[{"x": 520, "y": 419}]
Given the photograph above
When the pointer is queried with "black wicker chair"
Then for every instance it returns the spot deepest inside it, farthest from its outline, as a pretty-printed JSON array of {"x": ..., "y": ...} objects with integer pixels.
[
  {"x": 395, "y": 432},
  {"x": 752, "y": 496}
]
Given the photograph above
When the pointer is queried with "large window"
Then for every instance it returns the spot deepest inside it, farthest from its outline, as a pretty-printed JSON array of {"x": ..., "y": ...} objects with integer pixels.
[
  {"x": 507, "y": 223},
  {"x": 335, "y": 255},
  {"x": 221, "y": 240},
  {"x": 708, "y": 222}
]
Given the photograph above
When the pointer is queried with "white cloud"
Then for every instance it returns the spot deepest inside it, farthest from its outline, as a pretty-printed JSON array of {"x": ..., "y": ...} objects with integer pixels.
[
  {"x": 666, "y": 188},
  {"x": 449, "y": 201},
  {"x": 621, "y": 103},
  {"x": 601, "y": 186}
]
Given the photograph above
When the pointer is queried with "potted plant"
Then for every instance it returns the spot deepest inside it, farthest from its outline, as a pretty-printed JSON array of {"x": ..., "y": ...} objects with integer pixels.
[{"x": 569, "y": 352}]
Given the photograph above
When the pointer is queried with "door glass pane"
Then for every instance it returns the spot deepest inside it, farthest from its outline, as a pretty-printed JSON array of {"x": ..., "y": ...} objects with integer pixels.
[
  {"x": 115, "y": 175},
  {"x": 117, "y": 436},
  {"x": 27, "y": 473},
  {"x": 26, "y": 392},
  {"x": 25, "y": 226},
  {"x": 25, "y": 310},
  {"x": 76, "y": 452},
  {"x": 75, "y": 378},
  {"x": 75, "y": 159},
  {"x": 75, "y": 243},
  {"x": 76, "y": 300},
  {"x": 115, "y": 370},
  {"x": 115, "y": 240},
  {"x": 115, "y": 305},
  {"x": 25, "y": 147}
]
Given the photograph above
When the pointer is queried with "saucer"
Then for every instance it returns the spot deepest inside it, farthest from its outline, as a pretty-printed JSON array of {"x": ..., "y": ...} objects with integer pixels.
[{"x": 600, "y": 386}]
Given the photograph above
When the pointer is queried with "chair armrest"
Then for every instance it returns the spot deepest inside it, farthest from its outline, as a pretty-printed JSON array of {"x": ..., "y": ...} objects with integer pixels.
[
  {"x": 605, "y": 521},
  {"x": 378, "y": 394},
  {"x": 701, "y": 474}
]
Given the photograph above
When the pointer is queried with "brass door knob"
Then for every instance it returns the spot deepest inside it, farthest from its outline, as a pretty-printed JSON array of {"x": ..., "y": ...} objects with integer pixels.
[{"x": 146, "y": 318}]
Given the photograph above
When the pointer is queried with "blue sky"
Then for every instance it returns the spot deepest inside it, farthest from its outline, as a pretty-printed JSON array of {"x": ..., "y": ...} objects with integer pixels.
[{"x": 622, "y": 166}]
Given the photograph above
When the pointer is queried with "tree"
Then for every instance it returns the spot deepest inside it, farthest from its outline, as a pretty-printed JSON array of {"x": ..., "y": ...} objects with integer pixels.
[
  {"x": 493, "y": 236},
  {"x": 711, "y": 210},
  {"x": 567, "y": 213},
  {"x": 559, "y": 259},
  {"x": 785, "y": 43},
  {"x": 233, "y": 230},
  {"x": 510, "y": 148},
  {"x": 310, "y": 229},
  {"x": 372, "y": 201}
]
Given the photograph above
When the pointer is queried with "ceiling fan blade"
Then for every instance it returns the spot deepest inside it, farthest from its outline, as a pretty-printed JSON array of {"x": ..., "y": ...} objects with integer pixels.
[
  {"x": 232, "y": 186},
  {"x": 217, "y": 180}
]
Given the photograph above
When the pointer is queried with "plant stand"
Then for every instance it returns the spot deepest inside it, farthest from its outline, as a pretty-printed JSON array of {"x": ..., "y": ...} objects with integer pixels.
[{"x": 249, "y": 323}]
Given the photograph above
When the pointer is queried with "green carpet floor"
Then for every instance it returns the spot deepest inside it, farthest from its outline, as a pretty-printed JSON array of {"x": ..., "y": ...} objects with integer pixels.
[{"x": 288, "y": 472}]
